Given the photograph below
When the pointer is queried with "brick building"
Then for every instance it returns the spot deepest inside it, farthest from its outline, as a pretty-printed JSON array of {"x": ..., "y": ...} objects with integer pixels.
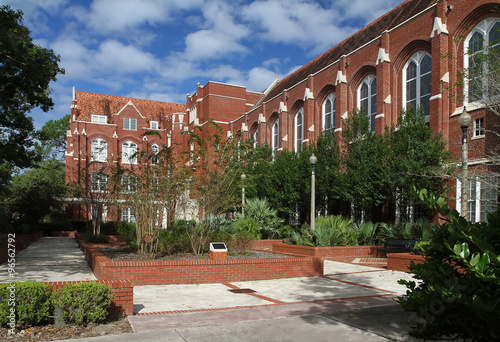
[{"x": 393, "y": 63}]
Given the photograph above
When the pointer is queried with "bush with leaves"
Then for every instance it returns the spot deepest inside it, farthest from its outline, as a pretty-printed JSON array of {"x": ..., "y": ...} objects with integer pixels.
[
  {"x": 32, "y": 303},
  {"x": 266, "y": 217},
  {"x": 334, "y": 231},
  {"x": 459, "y": 290},
  {"x": 366, "y": 233},
  {"x": 83, "y": 303}
]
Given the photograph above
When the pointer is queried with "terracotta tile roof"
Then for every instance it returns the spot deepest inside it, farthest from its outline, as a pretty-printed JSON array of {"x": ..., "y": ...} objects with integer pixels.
[
  {"x": 388, "y": 21},
  {"x": 91, "y": 103}
]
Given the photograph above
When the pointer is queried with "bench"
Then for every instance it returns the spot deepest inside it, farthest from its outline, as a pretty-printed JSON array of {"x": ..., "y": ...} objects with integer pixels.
[{"x": 398, "y": 246}]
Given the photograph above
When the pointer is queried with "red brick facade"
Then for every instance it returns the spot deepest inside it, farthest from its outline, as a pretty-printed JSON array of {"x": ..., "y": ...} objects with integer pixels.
[{"x": 384, "y": 49}]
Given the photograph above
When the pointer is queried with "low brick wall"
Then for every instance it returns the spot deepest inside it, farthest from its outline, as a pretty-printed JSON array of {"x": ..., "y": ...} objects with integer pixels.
[
  {"x": 199, "y": 271},
  {"x": 63, "y": 233},
  {"x": 123, "y": 289},
  {"x": 325, "y": 252},
  {"x": 264, "y": 245},
  {"x": 401, "y": 261}
]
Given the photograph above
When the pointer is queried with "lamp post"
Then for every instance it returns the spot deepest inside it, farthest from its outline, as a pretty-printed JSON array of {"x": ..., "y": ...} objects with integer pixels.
[
  {"x": 464, "y": 120},
  {"x": 313, "y": 161},
  {"x": 243, "y": 177}
]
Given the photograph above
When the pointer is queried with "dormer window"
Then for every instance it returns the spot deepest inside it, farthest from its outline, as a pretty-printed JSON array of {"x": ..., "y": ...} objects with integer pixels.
[
  {"x": 130, "y": 124},
  {"x": 153, "y": 124},
  {"x": 99, "y": 119}
]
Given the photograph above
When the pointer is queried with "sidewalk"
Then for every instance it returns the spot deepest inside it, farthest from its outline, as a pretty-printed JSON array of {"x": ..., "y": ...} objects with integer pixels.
[
  {"x": 49, "y": 259},
  {"x": 349, "y": 303}
]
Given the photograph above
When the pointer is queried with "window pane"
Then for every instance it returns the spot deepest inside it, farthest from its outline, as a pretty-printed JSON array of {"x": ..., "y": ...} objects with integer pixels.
[
  {"x": 426, "y": 64},
  {"x": 411, "y": 91},
  {"x": 411, "y": 71},
  {"x": 476, "y": 43},
  {"x": 494, "y": 36}
]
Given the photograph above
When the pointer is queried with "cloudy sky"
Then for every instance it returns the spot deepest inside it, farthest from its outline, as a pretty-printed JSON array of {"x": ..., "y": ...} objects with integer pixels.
[{"x": 160, "y": 49}]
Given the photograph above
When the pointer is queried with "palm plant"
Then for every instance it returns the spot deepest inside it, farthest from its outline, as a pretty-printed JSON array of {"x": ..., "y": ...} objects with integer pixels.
[
  {"x": 333, "y": 231},
  {"x": 266, "y": 217},
  {"x": 366, "y": 233}
]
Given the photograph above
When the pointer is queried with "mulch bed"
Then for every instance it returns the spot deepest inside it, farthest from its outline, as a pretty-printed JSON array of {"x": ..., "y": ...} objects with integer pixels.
[
  {"x": 50, "y": 332},
  {"x": 127, "y": 254}
]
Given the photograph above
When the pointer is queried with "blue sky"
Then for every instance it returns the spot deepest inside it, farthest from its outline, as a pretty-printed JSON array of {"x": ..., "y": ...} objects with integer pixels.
[{"x": 160, "y": 49}]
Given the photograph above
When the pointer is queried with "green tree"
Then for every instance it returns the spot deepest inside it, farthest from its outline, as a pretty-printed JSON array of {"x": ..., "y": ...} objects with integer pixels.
[
  {"x": 34, "y": 192},
  {"x": 26, "y": 70},
  {"x": 416, "y": 159},
  {"x": 51, "y": 138},
  {"x": 365, "y": 165}
]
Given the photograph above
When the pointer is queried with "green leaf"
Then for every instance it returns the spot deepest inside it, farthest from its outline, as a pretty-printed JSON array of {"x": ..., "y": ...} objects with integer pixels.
[
  {"x": 465, "y": 251},
  {"x": 484, "y": 263},
  {"x": 475, "y": 259}
]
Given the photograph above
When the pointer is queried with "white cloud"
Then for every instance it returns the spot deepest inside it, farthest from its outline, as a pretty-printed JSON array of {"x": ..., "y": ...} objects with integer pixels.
[
  {"x": 366, "y": 10},
  {"x": 109, "y": 16},
  {"x": 114, "y": 57}
]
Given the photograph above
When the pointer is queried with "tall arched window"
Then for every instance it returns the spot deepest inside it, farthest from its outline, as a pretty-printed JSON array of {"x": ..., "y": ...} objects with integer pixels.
[
  {"x": 367, "y": 97},
  {"x": 417, "y": 82},
  {"x": 299, "y": 129},
  {"x": 99, "y": 150},
  {"x": 129, "y": 152},
  {"x": 256, "y": 138},
  {"x": 329, "y": 113},
  {"x": 276, "y": 137},
  {"x": 482, "y": 38},
  {"x": 154, "y": 154}
]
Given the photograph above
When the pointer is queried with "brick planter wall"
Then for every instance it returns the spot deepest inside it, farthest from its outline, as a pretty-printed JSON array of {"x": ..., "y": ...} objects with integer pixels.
[
  {"x": 401, "y": 261},
  {"x": 63, "y": 233},
  {"x": 325, "y": 252},
  {"x": 199, "y": 271}
]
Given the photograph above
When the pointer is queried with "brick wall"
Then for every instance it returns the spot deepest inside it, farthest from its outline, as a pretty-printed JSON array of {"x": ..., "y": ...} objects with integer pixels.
[
  {"x": 401, "y": 261},
  {"x": 199, "y": 271},
  {"x": 325, "y": 252}
]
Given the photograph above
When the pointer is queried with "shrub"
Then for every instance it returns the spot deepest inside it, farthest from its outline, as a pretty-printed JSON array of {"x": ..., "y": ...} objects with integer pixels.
[
  {"x": 458, "y": 294},
  {"x": 265, "y": 217},
  {"x": 32, "y": 303},
  {"x": 249, "y": 226},
  {"x": 91, "y": 238},
  {"x": 83, "y": 303},
  {"x": 366, "y": 233},
  {"x": 173, "y": 240},
  {"x": 333, "y": 231},
  {"x": 128, "y": 230}
]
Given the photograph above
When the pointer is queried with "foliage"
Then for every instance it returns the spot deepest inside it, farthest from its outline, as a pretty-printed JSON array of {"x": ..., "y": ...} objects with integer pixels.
[
  {"x": 295, "y": 238},
  {"x": 218, "y": 161},
  {"x": 366, "y": 233},
  {"x": 247, "y": 227},
  {"x": 365, "y": 165},
  {"x": 266, "y": 217},
  {"x": 176, "y": 240},
  {"x": 51, "y": 138},
  {"x": 333, "y": 231},
  {"x": 32, "y": 303},
  {"x": 83, "y": 303},
  {"x": 91, "y": 238},
  {"x": 34, "y": 192},
  {"x": 26, "y": 69},
  {"x": 128, "y": 230},
  {"x": 415, "y": 158},
  {"x": 459, "y": 288},
  {"x": 420, "y": 230}
]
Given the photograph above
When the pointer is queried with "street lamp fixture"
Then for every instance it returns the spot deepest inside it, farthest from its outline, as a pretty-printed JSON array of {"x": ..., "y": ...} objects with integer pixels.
[
  {"x": 313, "y": 161},
  {"x": 464, "y": 120},
  {"x": 243, "y": 177}
]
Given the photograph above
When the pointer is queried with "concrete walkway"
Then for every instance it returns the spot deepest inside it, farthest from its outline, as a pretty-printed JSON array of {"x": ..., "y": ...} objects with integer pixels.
[
  {"x": 49, "y": 259},
  {"x": 349, "y": 303}
]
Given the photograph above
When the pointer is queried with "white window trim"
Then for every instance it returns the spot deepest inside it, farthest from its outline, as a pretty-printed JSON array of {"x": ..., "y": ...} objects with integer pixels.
[
  {"x": 368, "y": 81},
  {"x": 483, "y": 28},
  {"x": 458, "y": 199},
  {"x": 102, "y": 154},
  {"x": 128, "y": 122},
  {"x": 332, "y": 98},
  {"x": 417, "y": 58},
  {"x": 154, "y": 123},
  {"x": 129, "y": 183},
  {"x": 99, "y": 119},
  {"x": 475, "y": 128},
  {"x": 275, "y": 142},
  {"x": 128, "y": 214},
  {"x": 126, "y": 150},
  {"x": 97, "y": 184},
  {"x": 256, "y": 138},
  {"x": 297, "y": 143}
]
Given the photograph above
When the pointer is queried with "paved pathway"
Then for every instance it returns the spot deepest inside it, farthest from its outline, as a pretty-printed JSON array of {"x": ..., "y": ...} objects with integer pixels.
[{"x": 49, "y": 259}]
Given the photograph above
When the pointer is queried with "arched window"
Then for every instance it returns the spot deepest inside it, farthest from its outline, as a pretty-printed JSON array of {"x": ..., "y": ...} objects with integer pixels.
[
  {"x": 129, "y": 152},
  {"x": 276, "y": 137},
  {"x": 329, "y": 113},
  {"x": 99, "y": 150},
  {"x": 256, "y": 138},
  {"x": 482, "y": 38},
  {"x": 299, "y": 129},
  {"x": 367, "y": 97},
  {"x": 417, "y": 82},
  {"x": 154, "y": 154}
]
